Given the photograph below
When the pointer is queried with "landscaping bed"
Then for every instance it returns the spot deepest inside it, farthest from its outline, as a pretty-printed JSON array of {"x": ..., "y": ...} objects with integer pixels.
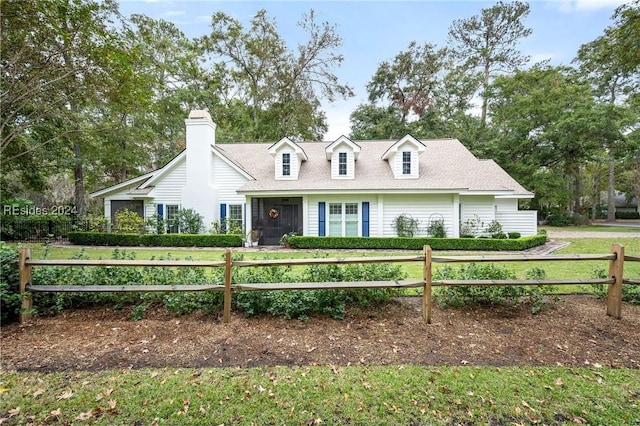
[{"x": 573, "y": 331}]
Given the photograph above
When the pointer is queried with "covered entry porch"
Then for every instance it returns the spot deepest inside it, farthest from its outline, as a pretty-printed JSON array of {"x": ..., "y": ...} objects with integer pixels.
[{"x": 273, "y": 217}]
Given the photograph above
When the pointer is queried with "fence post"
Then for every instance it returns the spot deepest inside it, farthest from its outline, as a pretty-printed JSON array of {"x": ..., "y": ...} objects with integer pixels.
[
  {"x": 226, "y": 317},
  {"x": 616, "y": 270},
  {"x": 25, "y": 278},
  {"x": 426, "y": 293}
]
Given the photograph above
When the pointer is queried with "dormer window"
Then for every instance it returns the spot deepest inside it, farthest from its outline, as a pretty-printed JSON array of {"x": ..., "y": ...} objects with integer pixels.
[
  {"x": 402, "y": 157},
  {"x": 406, "y": 162},
  {"x": 288, "y": 157},
  {"x": 286, "y": 164},
  {"x": 343, "y": 154},
  {"x": 342, "y": 163}
]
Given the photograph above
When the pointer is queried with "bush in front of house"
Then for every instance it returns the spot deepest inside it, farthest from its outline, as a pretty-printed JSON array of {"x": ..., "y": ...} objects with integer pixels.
[
  {"x": 302, "y": 303},
  {"x": 10, "y": 297},
  {"x": 398, "y": 243},
  {"x": 127, "y": 222},
  {"x": 630, "y": 293},
  {"x": 627, "y": 215},
  {"x": 468, "y": 295},
  {"x": 178, "y": 303},
  {"x": 154, "y": 240}
]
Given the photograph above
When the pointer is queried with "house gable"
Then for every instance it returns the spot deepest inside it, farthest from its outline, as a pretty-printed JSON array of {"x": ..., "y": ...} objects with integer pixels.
[
  {"x": 343, "y": 154},
  {"x": 402, "y": 157},
  {"x": 288, "y": 157}
]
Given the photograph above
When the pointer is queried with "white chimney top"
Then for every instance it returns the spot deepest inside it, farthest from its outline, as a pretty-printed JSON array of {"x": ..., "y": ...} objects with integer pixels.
[{"x": 199, "y": 113}]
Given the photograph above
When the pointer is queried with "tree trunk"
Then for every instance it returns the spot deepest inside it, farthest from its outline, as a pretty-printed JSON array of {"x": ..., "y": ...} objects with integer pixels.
[
  {"x": 78, "y": 179},
  {"x": 611, "y": 190}
]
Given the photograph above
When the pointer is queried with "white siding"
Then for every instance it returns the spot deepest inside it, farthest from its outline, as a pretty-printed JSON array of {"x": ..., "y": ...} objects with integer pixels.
[
  {"x": 226, "y": 180},
  {"x": 524, "y": 222},
  {"x": 294, "y": 161},
  {"x": 424, "y": 208},
  {"x": 506, "y": 204},
  {"x": 169, "y": 189},
  {"x": 481, "y": 205}
]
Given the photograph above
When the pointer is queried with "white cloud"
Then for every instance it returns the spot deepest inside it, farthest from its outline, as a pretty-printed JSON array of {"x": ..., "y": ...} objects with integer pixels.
[
  {"x": 584, "y": 5},
  {"x": 175, "y": 13}
]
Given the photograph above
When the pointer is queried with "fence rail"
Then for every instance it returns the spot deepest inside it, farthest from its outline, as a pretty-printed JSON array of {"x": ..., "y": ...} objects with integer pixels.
[{"x": 615, "y": 278}]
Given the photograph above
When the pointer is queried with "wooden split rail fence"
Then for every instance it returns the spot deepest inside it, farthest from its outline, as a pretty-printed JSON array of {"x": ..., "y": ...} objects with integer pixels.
[{"x": 615, "y": 280}]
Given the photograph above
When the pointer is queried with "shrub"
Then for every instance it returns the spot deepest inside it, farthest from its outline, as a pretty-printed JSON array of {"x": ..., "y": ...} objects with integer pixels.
[
  {"x": 154, "y": 240},
  {"x": 513, "y": 235},
  {"x": 34, "y": 226},
  {"x": 467, "y": 295},
  {"x": 189, "y": 221},
  {"x": 471, "y": 227},
  {"x": 177, "y": 302},
  {"x": 630, "y": 293},
  {"x": 405, "y": 225},
  {"x": 127, "y": 222},
  {"x": 397, "y": 243},
  {"x": 10, "y": 297},
  {"x": 436, "y": 229},
  {"x": 156, "y": 224},
  {"x": 560, "y": 220},
  {"x": 627, "y": 215},
  {"x": 495, "y": 230},
  {"x": 302, "y": 303},
  {"x": 97, "y": 223}
]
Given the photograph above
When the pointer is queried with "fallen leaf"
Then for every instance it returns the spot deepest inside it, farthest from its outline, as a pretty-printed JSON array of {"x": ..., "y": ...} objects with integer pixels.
[
  {"x": 85, "y": 416},
  {"x": 14, "y": 412},
  {"x": 559, "y": 382},
  {"x": 38, "y": 393},
  {"x": 66, "y": 395},
  {"x": 56, "y": 413}
]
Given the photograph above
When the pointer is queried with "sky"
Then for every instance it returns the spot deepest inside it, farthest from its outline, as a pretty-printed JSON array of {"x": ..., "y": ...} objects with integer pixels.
[{"x": 376, "y": 31}]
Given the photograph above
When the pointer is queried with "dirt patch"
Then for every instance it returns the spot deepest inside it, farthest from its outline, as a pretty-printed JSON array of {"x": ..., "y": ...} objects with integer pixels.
[{"x": 574, "y": 331}]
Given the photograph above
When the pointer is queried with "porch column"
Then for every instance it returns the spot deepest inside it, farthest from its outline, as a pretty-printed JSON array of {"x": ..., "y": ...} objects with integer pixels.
[
  {"x": 247, "y": 223},
  {"x": 305, "y": 215}
]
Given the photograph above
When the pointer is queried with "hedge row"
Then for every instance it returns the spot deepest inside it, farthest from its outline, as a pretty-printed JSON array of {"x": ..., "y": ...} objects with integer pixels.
[
  {"x": 627, "y": 215},
  {"x": 398, "y": 243},
  {"x": 155, "y": 240}
]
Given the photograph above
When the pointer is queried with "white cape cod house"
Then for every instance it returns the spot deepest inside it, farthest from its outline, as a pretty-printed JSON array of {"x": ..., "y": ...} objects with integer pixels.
[{"x": 339, "y": 188}]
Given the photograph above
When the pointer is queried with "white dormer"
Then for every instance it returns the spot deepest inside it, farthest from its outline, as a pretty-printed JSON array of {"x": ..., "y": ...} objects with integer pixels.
[
  {"x": 343, "y": 154},
  {"x": 403, "y": 157},
  {"x": 288, "y": 157}
]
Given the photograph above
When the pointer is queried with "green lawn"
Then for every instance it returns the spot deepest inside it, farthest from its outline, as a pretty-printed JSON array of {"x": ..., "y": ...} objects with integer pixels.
[
  {"x": 554, "y": 270},
  {"x": 329, "y": 395},
  {"x": 389, "y": 395},
  {"x": 596, "y": 228}
]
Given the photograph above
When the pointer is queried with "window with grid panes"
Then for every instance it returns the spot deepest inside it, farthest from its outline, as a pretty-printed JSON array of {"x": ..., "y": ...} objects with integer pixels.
[
  {"x": 406, "y": 162},
  {"x": 342, "y": 163},
  {"x": 286, "y": 164}
]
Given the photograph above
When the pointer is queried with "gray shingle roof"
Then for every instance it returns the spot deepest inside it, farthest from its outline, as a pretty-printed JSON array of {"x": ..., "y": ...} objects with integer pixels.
[{"x": 445, "y": 165}]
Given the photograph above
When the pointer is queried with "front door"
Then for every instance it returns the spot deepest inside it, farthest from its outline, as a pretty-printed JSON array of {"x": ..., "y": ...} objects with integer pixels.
[{"x": 276, "y": 217}]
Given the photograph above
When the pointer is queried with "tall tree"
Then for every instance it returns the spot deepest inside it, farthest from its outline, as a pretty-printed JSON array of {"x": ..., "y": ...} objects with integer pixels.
[
  {"x": 58, "y": 58},
  {"x": 486, "y": 44},
  {"x": 415, "y": 92},
  {"x": 281, "y": 87},
  {"x": 613, "y": 79},
  {"x": 547, "y": 127}
]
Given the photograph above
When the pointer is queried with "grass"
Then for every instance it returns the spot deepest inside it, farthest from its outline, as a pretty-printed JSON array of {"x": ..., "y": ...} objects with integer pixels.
[
  {"x": 595, "y": 228},
  {"x": 554, "y": 270},
  {"x": 389, "y": 395}
]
